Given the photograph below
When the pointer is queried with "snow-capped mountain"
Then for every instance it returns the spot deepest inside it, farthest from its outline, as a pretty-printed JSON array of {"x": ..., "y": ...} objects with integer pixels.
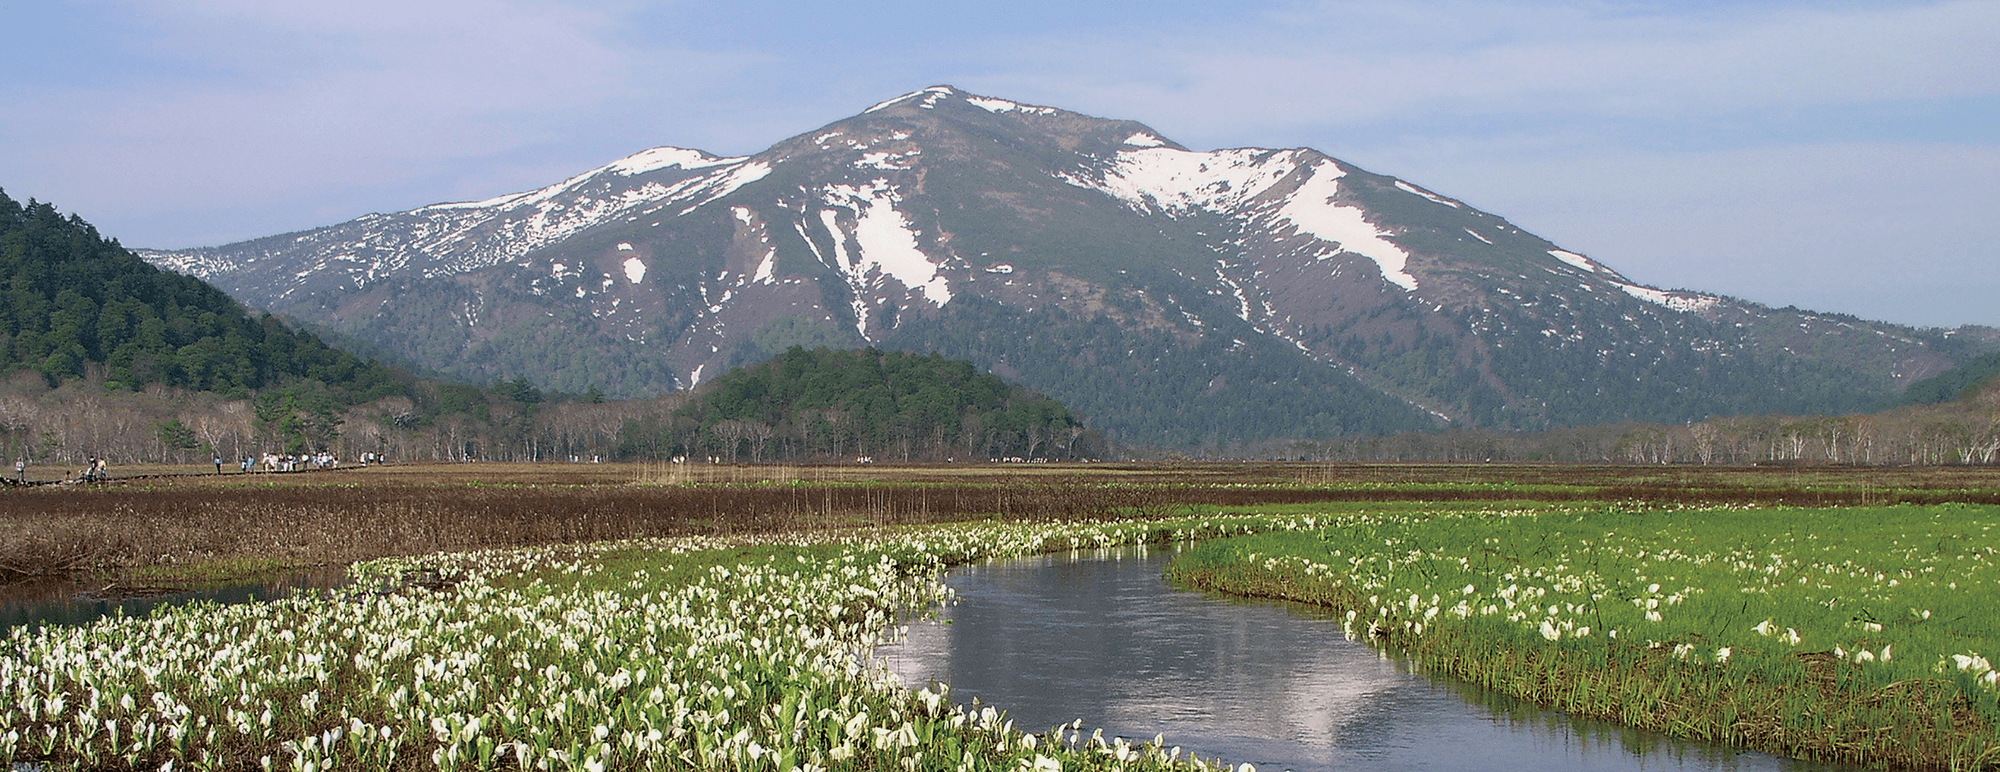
[{"x": 1173, "y": 295}]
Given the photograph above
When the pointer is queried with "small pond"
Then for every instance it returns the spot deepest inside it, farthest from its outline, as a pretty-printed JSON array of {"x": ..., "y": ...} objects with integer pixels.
[{"x": 1102, "y": 637}]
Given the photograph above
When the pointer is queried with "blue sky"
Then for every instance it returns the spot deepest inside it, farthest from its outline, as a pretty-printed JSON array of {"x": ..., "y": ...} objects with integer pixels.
[{"x": 1840, "y": 156}]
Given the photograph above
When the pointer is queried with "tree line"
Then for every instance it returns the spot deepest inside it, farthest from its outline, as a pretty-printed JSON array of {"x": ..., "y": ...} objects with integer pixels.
[
  {"x": 454, "y": 422},
  {"x": 1965, "y": 431},
  {"x": 827, "y": 404}
]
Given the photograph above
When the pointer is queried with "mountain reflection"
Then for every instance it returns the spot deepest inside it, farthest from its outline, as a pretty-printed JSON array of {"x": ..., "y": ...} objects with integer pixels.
[{"x": 1101, "y": 637}]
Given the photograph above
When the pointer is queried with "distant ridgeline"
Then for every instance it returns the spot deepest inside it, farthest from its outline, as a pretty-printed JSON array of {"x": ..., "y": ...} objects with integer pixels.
[{"x": 884, "y": 405}]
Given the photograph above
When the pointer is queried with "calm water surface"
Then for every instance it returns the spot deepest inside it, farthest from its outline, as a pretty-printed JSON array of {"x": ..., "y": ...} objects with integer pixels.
[{"x": 1102, "y": 637}]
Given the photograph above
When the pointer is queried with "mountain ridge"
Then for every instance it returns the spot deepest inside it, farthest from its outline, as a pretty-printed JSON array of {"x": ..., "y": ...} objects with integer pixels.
[{"x": 969, "y": 225}]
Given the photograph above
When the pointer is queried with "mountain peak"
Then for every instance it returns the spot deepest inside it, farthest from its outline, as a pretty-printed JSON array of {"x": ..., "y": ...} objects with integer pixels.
[
  {"x": 1232, "y": 293},
  {"x": 946, "y": 120},
  {"x": 935, "y": 96},
  {"x": 924, "y": 97}
]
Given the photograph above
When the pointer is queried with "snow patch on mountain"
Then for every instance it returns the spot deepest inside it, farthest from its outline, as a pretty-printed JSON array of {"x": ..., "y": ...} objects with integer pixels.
[
  {"x": 716, "y": 186},
  {"x": 887, "y": 103},
  {"x": 1179, "y": 181},
  {"x": 886, "y": 160},
  {"x": 886, "y": 243},
  {"x": 930, "y": 98},
  {"x": 1312, "y": 209},
  {"x": 1685, "y": 302},
  {"x": 992, "y": 105},
  {"x": 1235, "y": 288},
  {"x": 1226, "y": 182},
  {"x": 885, "y": 247},
  {"x": 201, "y": 265},
  {"x": 767, "y": 265},
  {"x": 1433, "y": 197},
  {"x": 767, "y": 268},
  {"x": 1574, "y": 259},
  {"x": 638, "y": 163},
  {"x": 635, "y": 269},
  {"x": 1143, "y": 139},
  {"x": 663, "y": 158}
]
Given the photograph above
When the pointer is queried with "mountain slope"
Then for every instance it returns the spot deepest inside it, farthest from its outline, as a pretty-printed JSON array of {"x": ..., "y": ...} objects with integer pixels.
[
  {"x": 1172, "y": 296},
  {"x": 1956, "y": 383}
]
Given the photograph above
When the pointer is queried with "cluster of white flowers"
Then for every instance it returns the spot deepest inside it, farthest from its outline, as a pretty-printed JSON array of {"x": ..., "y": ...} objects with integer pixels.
[
  {"x": 540, "y": 659},
  {"x": 1682, "y": 584},
  {"x": 1977, "y": 666}
]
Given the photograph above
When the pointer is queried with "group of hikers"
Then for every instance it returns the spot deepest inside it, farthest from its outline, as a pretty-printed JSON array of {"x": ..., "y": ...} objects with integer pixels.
[
  {"x": 289, "y": 462},
  {"x": 96, "y": 470},
  {"x": 272, "y": 462}
]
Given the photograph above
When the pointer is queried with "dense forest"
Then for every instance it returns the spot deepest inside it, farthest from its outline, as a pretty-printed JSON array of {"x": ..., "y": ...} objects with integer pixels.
[
  {"x": 75, "y": 299},
  {"x": 105, "y": 355},
  {"x": 864, "y": 403},
  {"x": 1151, "y": 387},
  {"x": 1959, "y": 382}
]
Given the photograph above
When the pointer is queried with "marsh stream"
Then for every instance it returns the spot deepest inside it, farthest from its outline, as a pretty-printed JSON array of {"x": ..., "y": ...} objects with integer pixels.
[{"x": 1101, "y": 636}]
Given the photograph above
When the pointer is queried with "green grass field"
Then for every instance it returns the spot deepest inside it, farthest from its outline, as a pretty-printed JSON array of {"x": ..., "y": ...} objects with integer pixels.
[{"x": 1861, "y": 635}]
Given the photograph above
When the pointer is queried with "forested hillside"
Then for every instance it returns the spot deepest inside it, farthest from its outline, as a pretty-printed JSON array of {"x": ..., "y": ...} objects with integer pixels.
[
  {"x": 1957, "y": 383},
  {"x": 105, "y": 355},
  {"x": 869, "y": 403},
  {"x": 76, "y": 299}
]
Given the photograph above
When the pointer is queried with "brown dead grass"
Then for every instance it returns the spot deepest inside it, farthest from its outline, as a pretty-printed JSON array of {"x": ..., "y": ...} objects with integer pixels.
[{"x": 165, "y": 516}]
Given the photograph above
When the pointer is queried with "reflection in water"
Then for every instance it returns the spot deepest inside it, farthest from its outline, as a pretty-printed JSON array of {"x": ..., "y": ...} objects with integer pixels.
[
  {"x": 1102, "y": 637},
  {"x": 65, "y": 602}
]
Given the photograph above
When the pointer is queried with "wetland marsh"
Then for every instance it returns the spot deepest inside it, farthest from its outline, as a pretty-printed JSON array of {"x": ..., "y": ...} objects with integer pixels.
[{"x": 631, "y": 624}]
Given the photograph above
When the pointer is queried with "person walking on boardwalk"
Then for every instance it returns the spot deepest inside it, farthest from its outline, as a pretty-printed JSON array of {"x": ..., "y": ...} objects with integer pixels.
[
  {"x": 218, "y": 463},
  {"x": 21, "y": 470},
  {"x": 102, "y": 473}
]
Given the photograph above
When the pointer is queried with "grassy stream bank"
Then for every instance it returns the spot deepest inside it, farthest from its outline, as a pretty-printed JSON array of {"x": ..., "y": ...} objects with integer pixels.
[{"x": 1862, "y": 636}]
